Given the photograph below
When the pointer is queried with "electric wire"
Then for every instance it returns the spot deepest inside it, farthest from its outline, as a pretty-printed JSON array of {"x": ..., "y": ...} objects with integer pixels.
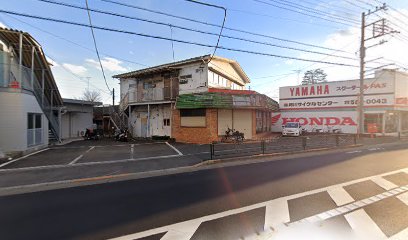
[{"x": 168, "y": 39}]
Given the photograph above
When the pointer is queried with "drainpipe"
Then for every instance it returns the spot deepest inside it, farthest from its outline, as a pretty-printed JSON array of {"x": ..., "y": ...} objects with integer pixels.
[{"x": 20, "y": 60}]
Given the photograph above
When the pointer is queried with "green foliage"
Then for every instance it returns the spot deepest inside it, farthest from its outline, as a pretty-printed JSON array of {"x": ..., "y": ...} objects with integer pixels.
[{"x": 314, "y": 76}]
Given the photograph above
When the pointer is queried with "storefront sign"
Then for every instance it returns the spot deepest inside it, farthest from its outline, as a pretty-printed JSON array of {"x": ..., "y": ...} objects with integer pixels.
[
  {"x": 338, "y": 88},
  {"x": 336, "y": 102},
  {"x": 345, "y": 121}
]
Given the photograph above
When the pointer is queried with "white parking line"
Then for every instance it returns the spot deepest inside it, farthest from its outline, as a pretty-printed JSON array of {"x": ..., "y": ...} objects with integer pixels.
[
  {"x": 132, "y": 150},
  {"x": 175, "y": 149},
  {"x": 76, "y": 159},
  {"x": 17, "y": 159},
  {"x": 87, "y": 151}
]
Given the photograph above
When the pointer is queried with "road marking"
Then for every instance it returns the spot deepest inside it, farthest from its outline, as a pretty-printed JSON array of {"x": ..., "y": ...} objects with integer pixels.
[
  {"x": 86, "y": 163},
  {"x": 175, "y": 149},
  {"x": 76, "y": 159},
  {"x": 385, "y": 184},
  {"x": 375, "y": 149},
  {"x": 340, "y": 196},
  {"x": 364, "y": 227},
  {"x": 321, "y": 216},
  {"x": 87, "y": 151},
  {"x": 183, "y": 231},
  {"x": 100, "y": 178},
  {"x": 403, "y": 235},
  {"x": 17, "y": 159},
  {"x": 404, "y": 198},
  {"x": 354, "y": 205},
  {"x": 357, "y": 151},
  {"x": 276, "y": 213},
  {"x": 132, "y": 151}
]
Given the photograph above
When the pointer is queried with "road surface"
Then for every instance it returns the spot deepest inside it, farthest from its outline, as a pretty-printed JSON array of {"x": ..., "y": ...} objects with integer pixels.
[{"x": 244, "y": 201}]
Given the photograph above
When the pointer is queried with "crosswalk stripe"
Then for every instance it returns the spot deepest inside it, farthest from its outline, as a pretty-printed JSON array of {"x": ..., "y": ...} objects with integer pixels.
[
  {"x": 363, "y": 226},
  {"x": 182, "y": 231},
  {"x": 404, "y": 198},
  {"x": 340, "y": 196},
  {"x": 387, "y": 185},
  {"x": 276, "y": 213}
]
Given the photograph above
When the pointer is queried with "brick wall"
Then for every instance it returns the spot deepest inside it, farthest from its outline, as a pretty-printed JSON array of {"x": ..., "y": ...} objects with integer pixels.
[{"x": 198, "y": 135}]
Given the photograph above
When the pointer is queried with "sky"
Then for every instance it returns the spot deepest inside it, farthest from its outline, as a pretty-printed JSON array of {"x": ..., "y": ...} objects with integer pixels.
[{"x": 319, "y": 24}]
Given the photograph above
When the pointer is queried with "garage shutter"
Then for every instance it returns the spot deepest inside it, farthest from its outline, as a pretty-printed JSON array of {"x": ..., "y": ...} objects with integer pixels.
[
  {"x": 243, "y": 122},
  {"x": 224, "y": 120}
]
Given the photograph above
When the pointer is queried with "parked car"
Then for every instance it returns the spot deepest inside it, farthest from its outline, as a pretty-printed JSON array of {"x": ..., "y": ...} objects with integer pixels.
[{"x": 292, "y": 129}]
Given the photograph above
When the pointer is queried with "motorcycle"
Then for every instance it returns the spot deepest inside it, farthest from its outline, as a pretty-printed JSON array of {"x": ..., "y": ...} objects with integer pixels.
[
  {"x": 121, "y": 135},
  {"x": 235, "y": 135},
  {"x": 91, "y": 134}
]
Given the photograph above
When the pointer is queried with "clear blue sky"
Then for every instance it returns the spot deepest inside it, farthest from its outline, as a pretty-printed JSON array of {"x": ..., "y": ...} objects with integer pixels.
[{"x": 268, "y": 20}]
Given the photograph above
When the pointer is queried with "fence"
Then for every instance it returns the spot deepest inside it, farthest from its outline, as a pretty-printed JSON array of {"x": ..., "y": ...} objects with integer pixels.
[{"x": 279, "y": 145}]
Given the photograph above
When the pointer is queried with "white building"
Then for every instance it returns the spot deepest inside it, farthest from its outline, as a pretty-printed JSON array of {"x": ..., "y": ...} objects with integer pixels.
[
  {"x": 30, "y": 102},
  {"x": 154, "y": 97},
  {"x": 151, "y": 93},
  {"x": 333, "y": 105},
  {"x": 77, "y": 115}
]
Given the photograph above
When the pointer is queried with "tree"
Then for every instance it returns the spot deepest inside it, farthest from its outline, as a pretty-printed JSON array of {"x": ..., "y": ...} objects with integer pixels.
[
  {"x": 314, "y": 76},
  {"x": 91, "y": 96}
]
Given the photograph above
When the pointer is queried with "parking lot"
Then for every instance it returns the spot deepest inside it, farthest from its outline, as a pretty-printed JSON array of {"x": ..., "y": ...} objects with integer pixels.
[
  {"x": 109, "y": 151},
  {"x": 94, "y": 152}
]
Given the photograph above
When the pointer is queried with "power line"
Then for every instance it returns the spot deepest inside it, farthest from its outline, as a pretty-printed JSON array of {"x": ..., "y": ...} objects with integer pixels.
[
  {"x": 216, "y": 25},
  {"x": 312, "y": 10},
  {"x": 168, "y": 39},
  {"x": 276, "y": 17},
  {"x": 300, "y": 12},
  {"x": 194, "y": 30},
  {"x": 327, "y": 5},
  {"x": 96, "y": 46},
  {"x": 75, "y": 43},
  {"x": 222, "y": 26}
]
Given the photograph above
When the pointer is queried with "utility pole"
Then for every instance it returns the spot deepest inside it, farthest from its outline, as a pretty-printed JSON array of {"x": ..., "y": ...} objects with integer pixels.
[
  {"x": 113, "y": 97},
  {"x": 379, "y": 29}
]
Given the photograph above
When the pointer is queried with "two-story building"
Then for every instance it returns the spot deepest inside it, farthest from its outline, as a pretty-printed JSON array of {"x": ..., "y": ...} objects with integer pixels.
[
  {"x": 334, "y": 105},
  {"x": 193, "y": 100},
  {"x": 30, "y": 102}
]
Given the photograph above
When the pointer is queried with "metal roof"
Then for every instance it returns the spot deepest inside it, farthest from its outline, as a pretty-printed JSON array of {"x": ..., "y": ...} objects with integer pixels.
[
  {"x": 179, "y": 64},
  {"x": 80, "y": 102},
  {"x": 12, "y": 37}
]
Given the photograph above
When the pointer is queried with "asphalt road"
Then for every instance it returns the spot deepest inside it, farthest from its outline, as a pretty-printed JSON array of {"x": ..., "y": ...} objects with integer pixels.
[{"x": 120, "y": 208}]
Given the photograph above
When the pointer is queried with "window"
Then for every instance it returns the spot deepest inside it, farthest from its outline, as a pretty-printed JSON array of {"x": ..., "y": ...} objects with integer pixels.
[
  {"x": 192, "y": 112},
  {"x": 34, "y": 129},
  {"x": 147, "y": 85},
  {"x": 184, "y": 79},
  {"x": 166, "y": 122},
  {"x": 192, "y": 117}
]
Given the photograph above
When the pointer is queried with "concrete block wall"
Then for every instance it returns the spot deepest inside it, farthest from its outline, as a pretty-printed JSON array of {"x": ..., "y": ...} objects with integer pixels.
[{"x": 199, "y": 135}]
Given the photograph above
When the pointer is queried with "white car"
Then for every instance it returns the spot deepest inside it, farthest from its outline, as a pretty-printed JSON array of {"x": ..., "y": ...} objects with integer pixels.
[{"x": 292, "y": 129}]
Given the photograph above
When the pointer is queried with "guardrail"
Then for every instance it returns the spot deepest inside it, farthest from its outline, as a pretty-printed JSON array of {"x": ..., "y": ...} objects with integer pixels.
[{"x": 280, "y": 145}]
